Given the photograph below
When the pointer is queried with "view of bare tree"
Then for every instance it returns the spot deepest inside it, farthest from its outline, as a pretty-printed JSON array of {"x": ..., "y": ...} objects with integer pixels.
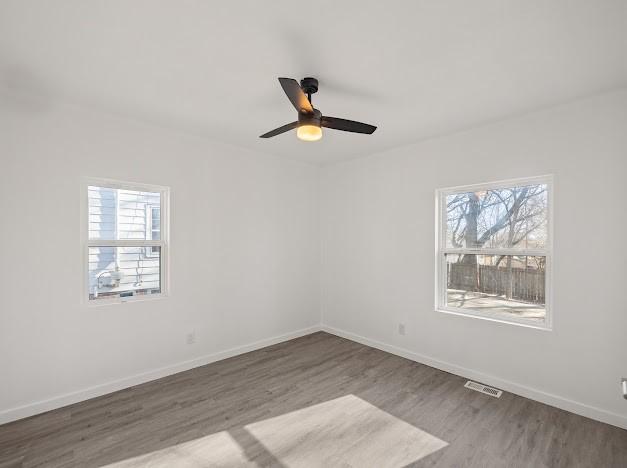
[
  {"x": 502, "y": 218},
  {"x": 498, "y": 218}
]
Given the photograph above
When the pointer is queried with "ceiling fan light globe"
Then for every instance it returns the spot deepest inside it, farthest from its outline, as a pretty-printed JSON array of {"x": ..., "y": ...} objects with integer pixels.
[{"x": 309, "y": 133}]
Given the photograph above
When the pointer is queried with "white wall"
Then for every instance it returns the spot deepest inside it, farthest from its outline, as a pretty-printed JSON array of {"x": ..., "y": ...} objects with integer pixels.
[
  {"x": 246, "y": 250},
  {"x": 244, "y": 253},
  {"x": 378, "y": 254}
]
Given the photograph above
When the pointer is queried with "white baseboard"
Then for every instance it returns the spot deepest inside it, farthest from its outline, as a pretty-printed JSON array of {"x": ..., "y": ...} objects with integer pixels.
[
  {"x": 59, "y": 401},
  {"x": 509, "y": 386}
]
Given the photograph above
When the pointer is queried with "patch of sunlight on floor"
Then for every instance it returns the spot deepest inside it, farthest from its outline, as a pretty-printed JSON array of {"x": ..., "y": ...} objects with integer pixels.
[
  {"x": 346, "y": 431},
  {"x": 215, "y": 450}
]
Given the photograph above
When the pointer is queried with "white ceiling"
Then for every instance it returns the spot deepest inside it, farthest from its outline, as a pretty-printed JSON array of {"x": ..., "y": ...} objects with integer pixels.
[{"x": 414, "y": 68}]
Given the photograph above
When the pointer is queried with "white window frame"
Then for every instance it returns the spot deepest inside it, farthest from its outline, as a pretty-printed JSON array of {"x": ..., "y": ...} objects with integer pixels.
[
  {"x": 163, "y": 242},
  {"x": 441, "y": 250}
]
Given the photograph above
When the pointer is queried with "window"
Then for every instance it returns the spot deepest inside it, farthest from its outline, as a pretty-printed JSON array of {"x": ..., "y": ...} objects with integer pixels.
[
  {"x": 125, "y": 240},
  {"x": 494, "y": 251}
]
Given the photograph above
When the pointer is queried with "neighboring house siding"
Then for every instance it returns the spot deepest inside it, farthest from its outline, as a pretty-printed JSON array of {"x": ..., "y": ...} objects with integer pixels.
[{"x": 121, "y": 214}]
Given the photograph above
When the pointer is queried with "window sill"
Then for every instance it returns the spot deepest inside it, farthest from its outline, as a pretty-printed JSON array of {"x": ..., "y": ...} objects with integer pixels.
[
  {"x": 496, "y": 318},
  {"x": 120, "y": 301}
]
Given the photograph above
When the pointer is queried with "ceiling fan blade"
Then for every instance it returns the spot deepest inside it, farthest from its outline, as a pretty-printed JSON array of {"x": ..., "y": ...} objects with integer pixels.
[
  {"x": 278, "y": 131},
  {"x": 296, "y": 95},
  {"x": 347, "y": 125}
]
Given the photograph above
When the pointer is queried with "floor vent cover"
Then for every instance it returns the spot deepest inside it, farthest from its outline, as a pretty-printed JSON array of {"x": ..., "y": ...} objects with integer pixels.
[{"x": 483, "y": 389}]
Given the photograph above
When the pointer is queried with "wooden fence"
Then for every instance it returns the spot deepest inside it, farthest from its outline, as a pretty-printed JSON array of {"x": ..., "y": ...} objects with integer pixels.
[{"x": 515, "y": 283}]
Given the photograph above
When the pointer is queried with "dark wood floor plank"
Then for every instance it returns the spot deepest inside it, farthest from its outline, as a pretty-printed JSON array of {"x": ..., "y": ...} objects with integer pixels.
[{"x": 231, "y": 395}]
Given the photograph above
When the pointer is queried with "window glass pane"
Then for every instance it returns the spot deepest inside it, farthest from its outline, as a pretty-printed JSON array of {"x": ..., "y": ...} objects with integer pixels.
[
  {"x": 497, "y": 284},
  {"x": 116, "y": 214},
  {"x": 155, "y": 223},
  {"x": 119, "y": 271},
  {"x": 512, "y": 217}
]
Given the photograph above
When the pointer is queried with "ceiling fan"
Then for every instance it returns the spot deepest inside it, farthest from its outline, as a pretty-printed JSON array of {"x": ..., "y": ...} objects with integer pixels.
[{"x": 310, "y": 120}]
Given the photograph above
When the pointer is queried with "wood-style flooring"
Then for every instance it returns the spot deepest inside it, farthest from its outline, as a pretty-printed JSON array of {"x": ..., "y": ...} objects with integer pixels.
[{"x": 319, "y": 400}]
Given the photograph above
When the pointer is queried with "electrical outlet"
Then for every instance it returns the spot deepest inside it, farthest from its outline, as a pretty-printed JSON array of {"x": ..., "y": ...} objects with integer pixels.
[
  {"x": 401, "y": 328},
  {"x": 191, "y": 338}
]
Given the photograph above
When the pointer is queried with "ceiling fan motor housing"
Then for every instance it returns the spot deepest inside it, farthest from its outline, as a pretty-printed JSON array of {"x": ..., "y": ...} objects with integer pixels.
[
  {"x": 310, "y": 119},
  {"x": 309, "y": 85}
]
